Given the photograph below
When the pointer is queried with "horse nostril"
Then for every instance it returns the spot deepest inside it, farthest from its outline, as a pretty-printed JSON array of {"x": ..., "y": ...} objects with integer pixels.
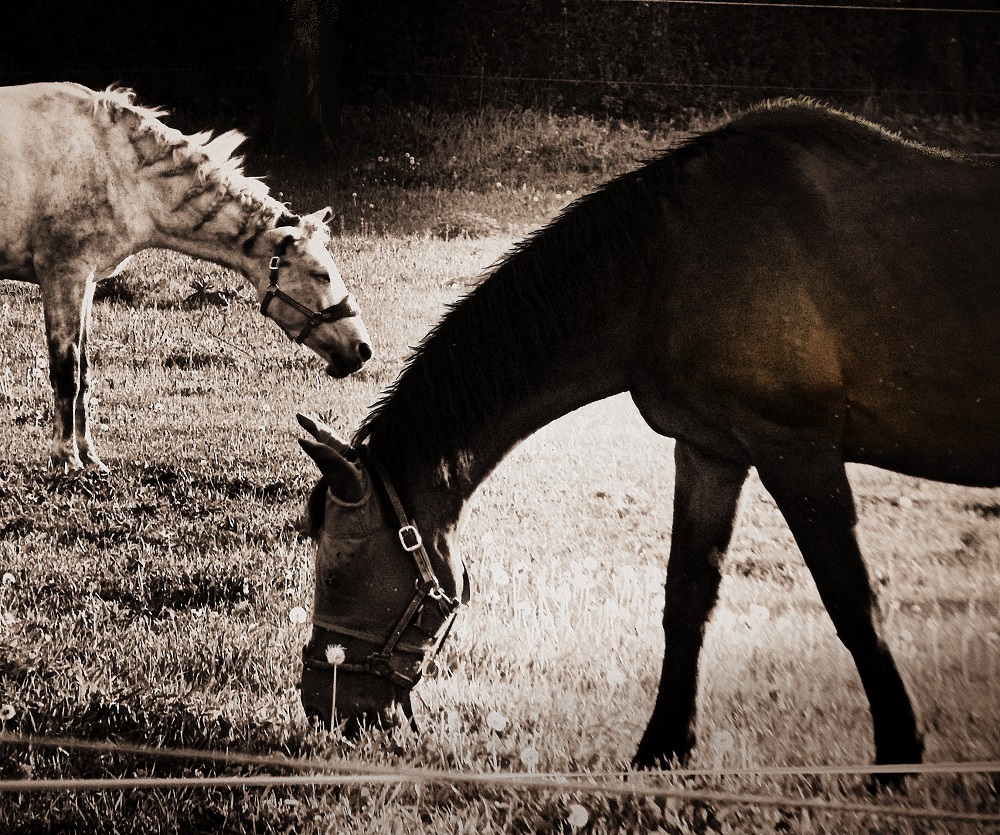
[{"x": 364, "y": 351}]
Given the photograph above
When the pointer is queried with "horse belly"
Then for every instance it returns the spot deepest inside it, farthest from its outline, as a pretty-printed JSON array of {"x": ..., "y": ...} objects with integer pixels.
[
  {"x": 923, "y": 396},
  {"x": 940, "y": 434}
]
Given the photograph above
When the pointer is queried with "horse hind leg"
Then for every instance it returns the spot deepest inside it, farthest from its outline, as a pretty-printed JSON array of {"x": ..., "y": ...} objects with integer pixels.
[
  {"x": 812, "y": 491},
  {"x": 706, "y": 496}
]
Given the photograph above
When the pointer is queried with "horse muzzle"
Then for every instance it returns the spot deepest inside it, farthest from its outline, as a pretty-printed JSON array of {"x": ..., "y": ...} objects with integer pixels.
[
  {"x": 349, "y": 702},
  {"x": 342, "y": 365}
]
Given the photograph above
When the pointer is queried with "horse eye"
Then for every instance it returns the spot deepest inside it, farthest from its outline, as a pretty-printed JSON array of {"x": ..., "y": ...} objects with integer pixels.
[{"x": 324, "y": 277}]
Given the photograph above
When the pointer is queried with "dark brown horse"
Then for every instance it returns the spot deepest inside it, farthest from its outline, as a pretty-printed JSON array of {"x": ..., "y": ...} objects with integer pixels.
[{"x": 795, "y": 290}]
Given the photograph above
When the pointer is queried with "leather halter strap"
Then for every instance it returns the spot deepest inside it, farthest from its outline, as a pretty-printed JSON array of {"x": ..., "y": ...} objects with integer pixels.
[
  {"x": 341, "y": 310},
  {"x": 428, "y": 588}
]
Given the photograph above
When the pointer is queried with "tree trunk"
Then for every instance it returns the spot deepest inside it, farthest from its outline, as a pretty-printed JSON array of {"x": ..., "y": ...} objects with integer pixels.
[{"x": 303, "y": 82}]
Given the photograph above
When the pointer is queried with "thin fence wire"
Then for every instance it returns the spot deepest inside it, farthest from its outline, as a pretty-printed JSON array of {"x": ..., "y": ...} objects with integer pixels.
[
  {"x": 394, "y": 777},
  {"x": 687, "y": 85},
  {"x": 493, "y": 78},
  {"x": 810, "y": 6},
  {"x": 617, "y": 784},
  {"x": 280, "y": 761}
]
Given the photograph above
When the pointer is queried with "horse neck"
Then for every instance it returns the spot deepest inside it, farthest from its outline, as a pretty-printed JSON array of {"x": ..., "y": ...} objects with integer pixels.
[
  {"x": 437, "y": 479},
  {"x": 217, "y": 226},
  {"x": 555, "y": 326}
]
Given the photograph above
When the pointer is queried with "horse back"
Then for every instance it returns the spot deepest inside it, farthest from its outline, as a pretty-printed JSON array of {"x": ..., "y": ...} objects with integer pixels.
[
  {"x": 64, "y": 172},
  {"x": 833, "y": 278}
]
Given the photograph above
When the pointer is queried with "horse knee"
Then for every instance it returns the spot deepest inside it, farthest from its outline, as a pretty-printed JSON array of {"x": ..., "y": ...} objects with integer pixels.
[
  {"x": 64, "y": 369},
  {"x": 691, "y": 598}
]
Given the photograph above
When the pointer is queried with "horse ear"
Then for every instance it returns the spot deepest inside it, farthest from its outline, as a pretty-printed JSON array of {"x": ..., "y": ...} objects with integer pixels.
[
  {"x": 325, "y": 434},
  {"x": 344, "y": 478},
  {"x": 324, "y": 215},
  {"x": 466, "y": 585}
]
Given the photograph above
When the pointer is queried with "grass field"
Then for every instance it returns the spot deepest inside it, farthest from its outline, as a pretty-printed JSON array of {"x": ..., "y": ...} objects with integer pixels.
[{"x": 156, "y": 604}]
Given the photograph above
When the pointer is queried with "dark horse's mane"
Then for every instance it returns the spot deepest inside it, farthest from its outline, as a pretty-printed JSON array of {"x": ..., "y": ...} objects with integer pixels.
[{"x": 492, "y": 345}]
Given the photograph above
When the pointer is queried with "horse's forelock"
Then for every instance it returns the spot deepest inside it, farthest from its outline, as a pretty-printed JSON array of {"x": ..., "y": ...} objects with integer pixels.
[{"x": 311, "y": 226}]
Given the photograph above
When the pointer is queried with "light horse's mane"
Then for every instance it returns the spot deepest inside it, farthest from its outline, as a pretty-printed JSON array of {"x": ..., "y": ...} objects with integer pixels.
[
  {"x": 493, "y": 346},
  {"x": 207, "y": 160}
]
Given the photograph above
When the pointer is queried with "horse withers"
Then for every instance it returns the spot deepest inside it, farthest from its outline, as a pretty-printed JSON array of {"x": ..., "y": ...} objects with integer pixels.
[
  {"x": 796, "y": 290},
  {"x": 89, "y": 178}
]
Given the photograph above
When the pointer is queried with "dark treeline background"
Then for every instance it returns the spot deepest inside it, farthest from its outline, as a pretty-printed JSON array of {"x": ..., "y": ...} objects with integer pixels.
[{"x": 285, "y": 67}]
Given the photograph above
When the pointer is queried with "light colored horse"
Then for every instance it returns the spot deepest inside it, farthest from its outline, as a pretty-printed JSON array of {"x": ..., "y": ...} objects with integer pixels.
[{"x": 88, "y": 178}]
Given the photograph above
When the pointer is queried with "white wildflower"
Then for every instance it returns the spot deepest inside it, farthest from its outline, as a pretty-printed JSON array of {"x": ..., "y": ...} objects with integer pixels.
[{"x": 578, "y": 816}]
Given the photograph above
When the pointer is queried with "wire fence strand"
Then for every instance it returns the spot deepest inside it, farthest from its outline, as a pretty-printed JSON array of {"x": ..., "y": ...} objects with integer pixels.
[
  {"x": 617, "y": 784},
  {"x": 345, "y": 766},
  {"x": 759, "y": 4}
]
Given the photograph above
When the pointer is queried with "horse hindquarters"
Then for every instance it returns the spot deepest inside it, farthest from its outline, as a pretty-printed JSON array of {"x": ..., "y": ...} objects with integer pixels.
[
  {"x": 811, "y": 489},
  {"x": 705, "y": 499}
]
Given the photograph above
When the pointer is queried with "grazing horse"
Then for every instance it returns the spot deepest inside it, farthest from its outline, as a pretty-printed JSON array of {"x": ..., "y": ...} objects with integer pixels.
[
  {"x": 792, "y": 291},
  {"x": 88, "y": 178}
]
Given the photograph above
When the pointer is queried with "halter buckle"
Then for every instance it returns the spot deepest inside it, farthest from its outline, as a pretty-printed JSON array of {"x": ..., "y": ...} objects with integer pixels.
[
  {"x": 414, "y": 543},
  {"x": 274, "y": 263}
]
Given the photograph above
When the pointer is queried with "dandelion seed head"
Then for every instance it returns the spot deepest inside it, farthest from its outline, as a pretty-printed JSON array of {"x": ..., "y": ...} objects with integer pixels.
[
  {"x": 297, "y": 615},
  {"x": 529, "y": 757},
  {"x": 578, "y": 816},
  {"x": 497, "y": 721},
  {"x": 500, "y": 575},
  {"x": 335, "y": 655}
]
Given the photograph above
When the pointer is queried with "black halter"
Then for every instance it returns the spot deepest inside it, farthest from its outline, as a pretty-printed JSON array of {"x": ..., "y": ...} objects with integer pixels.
[
  {"x": 429, "y": 602},
  {"x": 341, "y": 310}
]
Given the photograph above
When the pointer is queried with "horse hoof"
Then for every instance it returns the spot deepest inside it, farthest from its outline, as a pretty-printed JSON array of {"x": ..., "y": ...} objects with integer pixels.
[
  {"x": 653, "y": 761},
  {"x": 92, "y": 462},
  {"x": 65, "y": 463}
]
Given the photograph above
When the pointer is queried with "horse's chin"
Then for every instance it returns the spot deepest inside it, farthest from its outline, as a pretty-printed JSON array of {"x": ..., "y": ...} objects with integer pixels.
[
  {"x": 337, "y": 369},
  {"x": 352, "y": 727}
]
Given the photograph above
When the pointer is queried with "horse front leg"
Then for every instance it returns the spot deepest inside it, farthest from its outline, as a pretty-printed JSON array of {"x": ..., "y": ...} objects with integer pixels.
[
  {"x": 65, "y": 293},
  {"x": 84, "y": 440},
  {"x": 706, "y": 494},
  {"x": 812, "y": 491}
]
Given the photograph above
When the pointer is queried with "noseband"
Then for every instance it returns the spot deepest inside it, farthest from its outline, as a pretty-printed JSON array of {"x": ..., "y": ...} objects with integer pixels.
[
  {"x": 428, "y": 596},
  {"x": 341, "y": 310}
]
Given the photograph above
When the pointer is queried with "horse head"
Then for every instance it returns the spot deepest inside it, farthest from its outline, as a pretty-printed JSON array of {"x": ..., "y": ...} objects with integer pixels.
[
  {"x": 381, "y": 610},
  {"x": 300, "y": 288}
]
